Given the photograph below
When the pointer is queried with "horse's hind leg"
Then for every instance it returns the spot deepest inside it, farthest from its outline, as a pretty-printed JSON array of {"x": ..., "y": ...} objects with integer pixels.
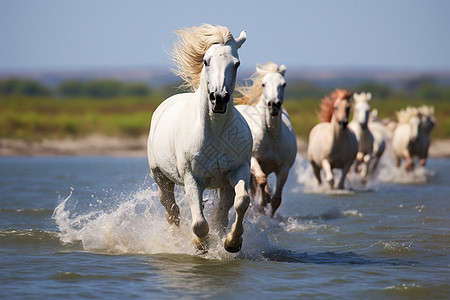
[{"x": 166, "y": 196}]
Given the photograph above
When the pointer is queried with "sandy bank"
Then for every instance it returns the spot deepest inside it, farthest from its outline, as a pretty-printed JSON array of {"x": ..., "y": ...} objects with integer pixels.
[{"x": 132, "y": 147}]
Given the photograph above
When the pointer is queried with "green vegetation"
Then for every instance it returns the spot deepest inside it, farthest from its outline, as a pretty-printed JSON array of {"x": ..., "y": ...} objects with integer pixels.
[{"x": 31, "y": 111}]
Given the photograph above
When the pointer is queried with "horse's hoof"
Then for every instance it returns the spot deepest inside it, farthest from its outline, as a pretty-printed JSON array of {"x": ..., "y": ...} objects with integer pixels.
[
  {"x": 232, "y": 247},
  {"x": 201, "y": 244},
  {"x": 173, "y": 219}
]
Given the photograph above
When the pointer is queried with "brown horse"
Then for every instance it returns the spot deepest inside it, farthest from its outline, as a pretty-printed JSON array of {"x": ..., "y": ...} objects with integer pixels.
[{"x": 331, "y": 143}]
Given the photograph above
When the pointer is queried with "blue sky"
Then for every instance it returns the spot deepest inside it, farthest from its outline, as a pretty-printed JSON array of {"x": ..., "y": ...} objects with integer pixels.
[{"x": 52, "y": 35}]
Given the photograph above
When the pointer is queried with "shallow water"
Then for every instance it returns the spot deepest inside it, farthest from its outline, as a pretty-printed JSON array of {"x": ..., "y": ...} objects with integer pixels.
[{"x": 93, "y": 227}]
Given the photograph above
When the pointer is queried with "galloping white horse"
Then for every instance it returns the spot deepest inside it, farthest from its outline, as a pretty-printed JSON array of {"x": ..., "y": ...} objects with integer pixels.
[
  {"x": 360, "y": 128},
  {"x": 199, "y": 140},
  {"x": 331, "y": 143},
  {"x": 274, "y": 140},
  {"x": 427, "y": 123},
  {"x": 405, "y": 136}
]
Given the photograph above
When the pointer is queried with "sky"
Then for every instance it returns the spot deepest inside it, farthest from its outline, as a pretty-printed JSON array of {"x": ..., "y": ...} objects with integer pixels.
[{"x": 62, "y": 35}]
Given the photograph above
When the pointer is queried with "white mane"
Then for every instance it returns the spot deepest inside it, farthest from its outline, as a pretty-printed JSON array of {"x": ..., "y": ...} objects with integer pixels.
[
  {"x": 191, "y": 47},
  {"x": 404, "y": 115},
  {"x": 252, "y": 93}
]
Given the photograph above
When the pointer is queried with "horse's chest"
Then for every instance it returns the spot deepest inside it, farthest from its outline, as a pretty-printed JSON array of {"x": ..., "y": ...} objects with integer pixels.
[{"x": 222, "y": 154}]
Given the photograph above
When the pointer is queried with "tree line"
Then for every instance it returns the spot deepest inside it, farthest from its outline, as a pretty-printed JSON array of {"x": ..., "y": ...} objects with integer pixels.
[
  {"x": 421, "y": 88},
  {"x": 105, "y": 88}
]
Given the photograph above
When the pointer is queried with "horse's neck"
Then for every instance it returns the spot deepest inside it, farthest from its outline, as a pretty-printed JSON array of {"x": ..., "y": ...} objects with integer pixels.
[
  {"x": 337, "y": 131},
  {"x": 212, "y": 122},
  {"x": 272, "y": 124}
]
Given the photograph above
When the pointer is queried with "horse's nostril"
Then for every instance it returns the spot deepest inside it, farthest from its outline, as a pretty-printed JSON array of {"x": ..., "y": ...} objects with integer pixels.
[
  {"x": 211, "y": 96},
  {"x": 226, "y": 98}
]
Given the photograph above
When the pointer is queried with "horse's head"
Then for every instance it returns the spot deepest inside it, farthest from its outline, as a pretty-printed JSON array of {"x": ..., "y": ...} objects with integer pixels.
[
  {"x": 273, "y": 85},
  {"x": 427, "y": 119},
  {"x": 362, "y": 108},
  {"x": 341, "y": 107},
  {"x": 220, "y": 68}
]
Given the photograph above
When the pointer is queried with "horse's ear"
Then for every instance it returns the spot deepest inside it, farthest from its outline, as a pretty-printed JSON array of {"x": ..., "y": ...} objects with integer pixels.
[
  {"x": 348, "y": 95},
  {"x": 282, "y": 69},
  {"x": 241, "y": 39},
  {"x": 368, "y": 96}
]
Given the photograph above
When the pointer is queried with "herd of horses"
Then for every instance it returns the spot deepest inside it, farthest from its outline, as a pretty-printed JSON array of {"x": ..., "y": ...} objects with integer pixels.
[{"x": 203, "y": 140}]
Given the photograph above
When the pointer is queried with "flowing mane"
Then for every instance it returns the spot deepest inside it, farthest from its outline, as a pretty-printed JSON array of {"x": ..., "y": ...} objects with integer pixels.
[
  {"x": 189, "y": 50},
  {"x": 327, "y": 104},
  {"x": 404, "y": 115},
  {"x": 252, "y": 93}
]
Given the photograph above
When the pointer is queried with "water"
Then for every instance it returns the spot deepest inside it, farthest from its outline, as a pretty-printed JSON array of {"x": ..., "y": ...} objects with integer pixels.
[{"x": 79, "y": 227}]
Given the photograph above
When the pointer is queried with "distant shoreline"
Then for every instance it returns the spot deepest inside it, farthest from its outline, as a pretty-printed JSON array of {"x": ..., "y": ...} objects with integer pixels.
[{"x": 98, "y": 145}]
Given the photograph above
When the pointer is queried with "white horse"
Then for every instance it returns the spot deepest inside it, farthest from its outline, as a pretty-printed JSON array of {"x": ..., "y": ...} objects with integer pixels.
[
  {"x": 405, "y": 136},
  {"x": 199, "y": 140},
  {"x": 380, "y": 138},
  {"x": 331, "y": 143},
  {"x": 427, "y": 123},
  {"x": 274, "y": 140},
  {"x": 360, "y": 128}
]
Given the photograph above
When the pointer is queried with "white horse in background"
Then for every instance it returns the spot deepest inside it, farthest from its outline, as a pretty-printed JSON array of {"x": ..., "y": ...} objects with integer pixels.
[
  {"x": 331, "y": 143},
  {"x": 380, "y": 135},
  {"x": 274, "y": 139},
  {"x": 405, "y": 136},
  {"x": 427, "y": 123},
  {"x": 199, "y": 140},
  {"x": 359, "y": 126}
]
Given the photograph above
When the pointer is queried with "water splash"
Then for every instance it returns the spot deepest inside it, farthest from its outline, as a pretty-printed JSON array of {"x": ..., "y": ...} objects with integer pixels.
[
  {"x": 136, "y": 224},
  {"x": 386, "y": 173}
]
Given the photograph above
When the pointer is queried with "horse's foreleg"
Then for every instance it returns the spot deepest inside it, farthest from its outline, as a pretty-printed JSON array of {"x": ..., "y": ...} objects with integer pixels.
[
  {"x": 326, "y": 166},
  {"x": 239, "y": 181},
  {"x": 316, "y": 170},
  {"x": 281, "y": 180},
  {"x": 199, "y": 225},
  {"x": 344, "y": 174},
  {"x": 226, "y": 197},
  {"x": 166, "y": 196},
  {"x": 365, "y": 167},
  {"x": 409, "y": 165},
  {"x": 261, "y": 181}
]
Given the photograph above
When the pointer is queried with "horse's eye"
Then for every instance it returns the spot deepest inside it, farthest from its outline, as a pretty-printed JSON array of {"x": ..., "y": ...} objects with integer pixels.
[
  {"x": 284, "y": 84},
  {"x": 263, "y": 85},
  {"x": 205, "y": 62}
]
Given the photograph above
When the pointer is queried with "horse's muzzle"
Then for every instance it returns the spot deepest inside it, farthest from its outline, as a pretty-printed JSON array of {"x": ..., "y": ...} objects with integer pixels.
[
  {"x": 343, "y": 124},
  {"x": 274, "y": 107},
  {"x": 219, "y": 102}
]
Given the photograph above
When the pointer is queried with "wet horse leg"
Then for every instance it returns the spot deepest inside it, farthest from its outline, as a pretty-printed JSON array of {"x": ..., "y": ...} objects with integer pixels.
[
  {"x": 226, "y": 197},
  {"x": 328, "y": 172},
  {"x": 166, "y": 196},
  {"x": 316, "y": 170},
  {"x": 281, "y": 180},
  {"x": 343, "y": 175},
  {"x": 261, "y": 181},
  {"x": 239, "y": 180},
  {"x": 200, "y": 227}
]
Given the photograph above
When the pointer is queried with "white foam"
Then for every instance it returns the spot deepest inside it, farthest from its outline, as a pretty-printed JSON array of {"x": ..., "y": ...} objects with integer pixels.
[{"x": 137, "y": 225}]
